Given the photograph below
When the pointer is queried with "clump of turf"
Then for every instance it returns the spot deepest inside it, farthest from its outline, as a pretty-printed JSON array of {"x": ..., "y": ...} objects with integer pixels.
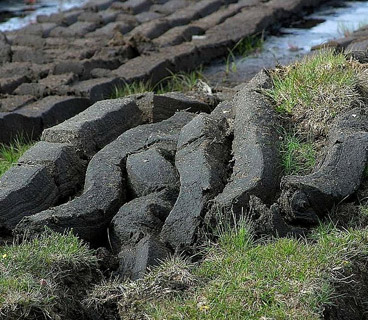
[
  {"x": 309, "y": 95},
  {"x": 317, "y": 88},
  {"x": 43, "y": 278},
  {"x": 9, "y": 154},
  {"x": 280, "y": 279},
  {"x": 241, "y": 278}
]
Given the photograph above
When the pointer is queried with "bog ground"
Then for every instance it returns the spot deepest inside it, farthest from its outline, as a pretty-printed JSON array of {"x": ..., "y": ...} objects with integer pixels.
[{"x": 245, "y": 203}]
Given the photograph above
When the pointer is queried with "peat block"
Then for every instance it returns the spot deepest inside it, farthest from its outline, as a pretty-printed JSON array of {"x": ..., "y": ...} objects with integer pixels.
[
  {"x": 201, "y": 164},
  {"x": 149, "y": 171},
  {"x": 305, "y": 199},
  {"x": 141, "y": 217},
  {"x": 105, "y": 185},
  {"x": 256, "y": 169}
]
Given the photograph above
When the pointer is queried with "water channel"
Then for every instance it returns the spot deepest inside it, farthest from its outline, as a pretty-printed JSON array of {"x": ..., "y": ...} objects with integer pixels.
[
  {"x": 16, "y": 14},
  {"x": 291, "y": 43}
]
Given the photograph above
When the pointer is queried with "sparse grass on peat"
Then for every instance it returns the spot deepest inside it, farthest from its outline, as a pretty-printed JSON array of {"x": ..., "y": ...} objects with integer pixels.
[
  {"x": 243, "y": 279},
  {"x": 9, "y": 154},
  {"x": 33, "y": 275},
  {"x": 297, "y": 155},
  {"x": 182, "y": 81},
  {"x": 242, "y": 49}
]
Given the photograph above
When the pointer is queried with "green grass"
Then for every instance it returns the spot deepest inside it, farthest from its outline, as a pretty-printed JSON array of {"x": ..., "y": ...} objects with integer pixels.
[
  {"x": 298, "y": 157},
  {"x": 240, "y": 278},
  {"x": 32, "y": 274},
  {"x": 280, "y": 279},
  {"x": 9, "y": 154},
  {"x": 314, "y": 90},
  {"x": 182, "y": 81},
  {"x": 313, "y": 83},
  {"x": 248, "y": 45}
]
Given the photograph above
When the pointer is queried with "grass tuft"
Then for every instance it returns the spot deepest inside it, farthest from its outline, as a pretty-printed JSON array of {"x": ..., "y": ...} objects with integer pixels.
[
  {"x": 35, "y": 275},
  {"x": 346, "y": 30},
  {"x": 182, "y": 81},
  {"x": 132, "y": 88},
  {"x": 248, "y": 45},
  {"x": 9, "y": 154},
  {"x": 314, "y": 90},
  {"x": 298, "y": 157}
]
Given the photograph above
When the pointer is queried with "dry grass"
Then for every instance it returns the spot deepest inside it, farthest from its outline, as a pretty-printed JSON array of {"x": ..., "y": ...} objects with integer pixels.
[{"x": 130, "y": 298}]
